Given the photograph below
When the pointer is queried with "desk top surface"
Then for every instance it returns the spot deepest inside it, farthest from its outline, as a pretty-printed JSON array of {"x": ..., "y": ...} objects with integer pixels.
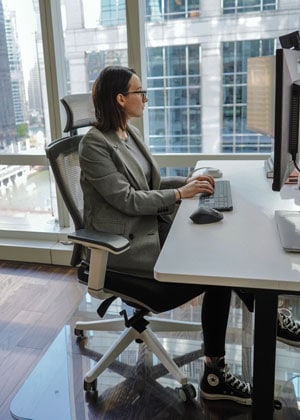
[{"x": 242, "y": 250}]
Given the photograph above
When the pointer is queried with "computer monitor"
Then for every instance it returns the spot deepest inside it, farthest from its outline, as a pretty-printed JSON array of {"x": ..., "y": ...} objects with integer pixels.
[
  {"x": 273, "y": 94},
  {"x": 286, "y": 128},
  {"x": 286, "y": 140}
]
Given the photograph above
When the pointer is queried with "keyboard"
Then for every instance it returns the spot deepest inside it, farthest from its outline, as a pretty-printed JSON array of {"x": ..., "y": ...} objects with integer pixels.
[{"x": 221, "y": 199}]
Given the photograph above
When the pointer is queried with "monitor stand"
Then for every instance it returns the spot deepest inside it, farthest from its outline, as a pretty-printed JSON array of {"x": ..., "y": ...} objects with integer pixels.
[{"x": 288, "y": 225}]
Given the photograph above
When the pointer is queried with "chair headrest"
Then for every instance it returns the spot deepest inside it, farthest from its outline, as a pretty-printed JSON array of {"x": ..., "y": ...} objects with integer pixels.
[{"x": 80, "y": 111}]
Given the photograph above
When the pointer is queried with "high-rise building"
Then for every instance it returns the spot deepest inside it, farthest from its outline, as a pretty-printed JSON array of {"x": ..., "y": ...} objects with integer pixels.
[
  {"x": 7, "y": 113},
  {"x": 34, "y": 91},
  {"x": 15, "y": 66}
]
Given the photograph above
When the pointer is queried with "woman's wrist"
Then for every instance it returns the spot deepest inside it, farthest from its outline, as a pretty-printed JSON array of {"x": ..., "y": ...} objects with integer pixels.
[{"x": 178, "y": 194}]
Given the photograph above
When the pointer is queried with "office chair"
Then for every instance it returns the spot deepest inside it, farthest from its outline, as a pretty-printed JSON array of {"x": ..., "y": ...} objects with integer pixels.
[{"x": 145, "y": 296}]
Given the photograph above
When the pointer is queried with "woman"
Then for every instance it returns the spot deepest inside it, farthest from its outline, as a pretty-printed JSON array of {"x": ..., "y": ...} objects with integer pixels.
[{"x": 124, "y": 194}]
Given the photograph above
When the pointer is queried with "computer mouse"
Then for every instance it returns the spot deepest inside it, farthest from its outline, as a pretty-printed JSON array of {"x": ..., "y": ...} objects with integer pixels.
[
  {"x": 214, "y": 172},
  {"x": 205, "y": 214}
]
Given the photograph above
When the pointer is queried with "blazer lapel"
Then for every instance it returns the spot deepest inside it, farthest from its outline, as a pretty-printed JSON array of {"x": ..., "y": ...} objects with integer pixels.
[{"x": 135, "y": 172}]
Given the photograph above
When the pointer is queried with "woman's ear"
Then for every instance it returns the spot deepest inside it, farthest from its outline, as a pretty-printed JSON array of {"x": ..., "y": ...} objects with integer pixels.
[{"x": 120, "y": 99}]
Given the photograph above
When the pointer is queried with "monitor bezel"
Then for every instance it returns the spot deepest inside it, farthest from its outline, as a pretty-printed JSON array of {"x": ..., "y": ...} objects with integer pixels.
[{"x": 287, "y": 75}]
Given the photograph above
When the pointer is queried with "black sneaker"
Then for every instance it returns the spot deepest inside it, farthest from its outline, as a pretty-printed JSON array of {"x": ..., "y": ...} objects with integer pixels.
[
  {"x": 288, "y": 330},
  {"x": 219, "y": 384}
]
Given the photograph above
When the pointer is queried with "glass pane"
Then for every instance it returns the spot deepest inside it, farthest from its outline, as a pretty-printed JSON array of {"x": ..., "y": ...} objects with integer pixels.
[
  {"x": 26, "y": 195},
  {"x": 22, "y": 117}
]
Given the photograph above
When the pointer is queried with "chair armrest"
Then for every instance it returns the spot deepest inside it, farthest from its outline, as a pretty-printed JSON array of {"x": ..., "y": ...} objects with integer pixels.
[
  {"x": 115, "y": 244},
  {"x": 100, "y": 244}
]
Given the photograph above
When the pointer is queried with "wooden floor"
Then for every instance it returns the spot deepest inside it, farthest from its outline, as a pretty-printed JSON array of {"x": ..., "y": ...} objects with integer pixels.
[
  {"x": 39, "y": 306},
  {"x": 36, "y": 301}
]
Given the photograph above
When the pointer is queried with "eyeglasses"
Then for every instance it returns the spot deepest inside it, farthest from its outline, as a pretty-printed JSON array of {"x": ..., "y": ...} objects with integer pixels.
[{"x": 142, "y": 92}]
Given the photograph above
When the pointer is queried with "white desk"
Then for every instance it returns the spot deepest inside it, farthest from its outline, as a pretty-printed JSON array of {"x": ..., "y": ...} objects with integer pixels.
[{"x": 243, "y": 250}]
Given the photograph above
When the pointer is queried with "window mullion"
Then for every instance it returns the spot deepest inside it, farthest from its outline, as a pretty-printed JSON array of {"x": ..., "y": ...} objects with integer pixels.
[
  {"x": 55, "y": 73},
  {"x": 135, "y": 19}
]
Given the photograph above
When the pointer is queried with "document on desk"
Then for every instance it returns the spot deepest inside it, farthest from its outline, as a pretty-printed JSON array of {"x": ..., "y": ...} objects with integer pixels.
[{"x": 288, "y": 225}]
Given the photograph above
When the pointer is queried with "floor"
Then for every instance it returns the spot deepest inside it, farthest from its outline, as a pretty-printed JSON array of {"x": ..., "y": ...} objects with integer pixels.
[{"x": 134, "y": 389}]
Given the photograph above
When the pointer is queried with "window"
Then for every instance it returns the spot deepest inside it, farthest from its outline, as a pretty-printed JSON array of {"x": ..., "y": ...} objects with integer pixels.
[
  {"x": 174, "y": 85},
  {"x": 112, "y": 12},
  {"x": 157, "y": 10},
  {"x": 245, "y": 6}
]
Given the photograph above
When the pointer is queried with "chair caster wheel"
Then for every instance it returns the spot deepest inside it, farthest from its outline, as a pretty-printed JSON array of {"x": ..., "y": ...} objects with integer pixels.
[
  {"x": 90, "y": 386},
  {"x": 78, "y": 333},
  {"x": 187, "y": 392}
]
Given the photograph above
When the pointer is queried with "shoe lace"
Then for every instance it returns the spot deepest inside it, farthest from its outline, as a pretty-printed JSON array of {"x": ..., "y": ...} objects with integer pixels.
[
  {"x": 236, "y": 382},
  {"x": 287, "y": 321}
]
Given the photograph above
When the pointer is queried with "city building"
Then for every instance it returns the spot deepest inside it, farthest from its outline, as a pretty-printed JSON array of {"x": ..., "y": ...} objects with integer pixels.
[
  {"x": 15, "y": 67},
  {"x": 7, "y": 114}
]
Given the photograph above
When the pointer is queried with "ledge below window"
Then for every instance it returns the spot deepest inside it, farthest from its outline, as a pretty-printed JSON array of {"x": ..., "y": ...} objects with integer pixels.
[{"x": 44, "y": 251}]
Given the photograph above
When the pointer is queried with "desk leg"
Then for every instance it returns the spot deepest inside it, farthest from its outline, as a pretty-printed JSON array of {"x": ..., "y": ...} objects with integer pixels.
[{"x": 265, "y": 330}]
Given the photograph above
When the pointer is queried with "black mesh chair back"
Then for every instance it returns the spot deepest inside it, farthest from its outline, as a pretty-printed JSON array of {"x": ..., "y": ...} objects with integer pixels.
[
  {"x": 64, "y": 161},
  {"x": 79, "y": 110},
  {"x": 63, "y": 157}
]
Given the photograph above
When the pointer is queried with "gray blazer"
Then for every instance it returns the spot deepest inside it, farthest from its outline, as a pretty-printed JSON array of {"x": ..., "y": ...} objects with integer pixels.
[{"x": 118, "y": 199}]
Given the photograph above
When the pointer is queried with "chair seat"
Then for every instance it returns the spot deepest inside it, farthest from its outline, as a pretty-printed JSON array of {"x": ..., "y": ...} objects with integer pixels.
[{"x": 150, "y": 293}]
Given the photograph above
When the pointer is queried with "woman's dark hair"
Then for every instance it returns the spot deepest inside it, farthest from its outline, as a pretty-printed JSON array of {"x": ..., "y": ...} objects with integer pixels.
[{"x": 111, "y": 81}]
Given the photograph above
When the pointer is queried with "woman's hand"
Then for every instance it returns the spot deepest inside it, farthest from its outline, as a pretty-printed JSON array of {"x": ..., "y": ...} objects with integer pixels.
[
  {"x": 201, "y": 178},
  {"x": 196, "y": 185}
]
